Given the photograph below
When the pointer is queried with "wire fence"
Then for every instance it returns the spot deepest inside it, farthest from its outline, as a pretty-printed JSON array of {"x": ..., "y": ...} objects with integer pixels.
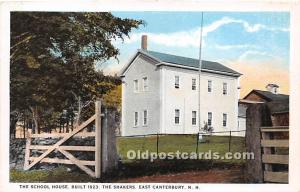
[{"x": 222, "y": 141}]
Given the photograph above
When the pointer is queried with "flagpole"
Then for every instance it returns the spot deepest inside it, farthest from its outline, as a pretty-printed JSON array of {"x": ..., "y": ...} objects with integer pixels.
[{"x": 200, "y": 67}]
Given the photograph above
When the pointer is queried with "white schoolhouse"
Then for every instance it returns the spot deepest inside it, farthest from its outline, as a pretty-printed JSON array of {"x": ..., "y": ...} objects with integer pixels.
[{"x": 160, "y": 94}]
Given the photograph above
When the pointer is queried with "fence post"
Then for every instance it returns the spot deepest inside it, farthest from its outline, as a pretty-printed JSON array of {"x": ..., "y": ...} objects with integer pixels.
[
  {"x": 24, "y": 127},
  {"x": 197, "y": 144},
  {"x": 27, "y": 149},
  {"x": 229, "y": 144},
  {"x": 157, "y": 138},
  {"x": 98, "y": 139}
]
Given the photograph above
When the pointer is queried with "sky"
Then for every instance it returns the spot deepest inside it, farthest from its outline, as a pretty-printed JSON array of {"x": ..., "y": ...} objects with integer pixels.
[{"x": 255, "y": 44}]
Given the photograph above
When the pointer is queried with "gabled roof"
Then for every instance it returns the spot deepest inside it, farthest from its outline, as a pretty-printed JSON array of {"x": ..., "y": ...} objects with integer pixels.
[
  {"x": 269, "y": 96},
  {"x": 191, "y": 62},
  {"x": 184, "y": 62}
]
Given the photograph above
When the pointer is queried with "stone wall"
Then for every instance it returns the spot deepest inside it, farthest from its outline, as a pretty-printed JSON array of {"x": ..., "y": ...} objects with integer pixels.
[{"x": 17, "y": 153}]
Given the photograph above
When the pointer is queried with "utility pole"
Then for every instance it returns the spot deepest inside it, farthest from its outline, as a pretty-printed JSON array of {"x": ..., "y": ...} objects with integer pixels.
[{"x": 200, "y": 67}]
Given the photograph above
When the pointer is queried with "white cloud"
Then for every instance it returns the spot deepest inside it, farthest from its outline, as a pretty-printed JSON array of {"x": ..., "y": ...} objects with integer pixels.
[
  {"x": 256, "y": 27},
  {"x": 247, "y": 26},
  {"x": 216, "y": 25},
  {"x": 255, "y": 58},
  {"x": 191, "y": 38},
  {"x": 176, "y": 39},
  {"x": 246, "y": 55},
  {"x": 243, "y": 46},
  {"x": 181, "y": 39}
]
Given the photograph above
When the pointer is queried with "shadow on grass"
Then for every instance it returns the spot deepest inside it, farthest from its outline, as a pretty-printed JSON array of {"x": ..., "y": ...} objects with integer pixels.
[
  {"x": 124, "y": 171},
  {"x": 160, "y": 167}
]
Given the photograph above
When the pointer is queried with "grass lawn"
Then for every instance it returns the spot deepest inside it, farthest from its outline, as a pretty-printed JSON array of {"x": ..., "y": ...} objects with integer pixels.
[
  {"x": 59, "y": 174},
  {"x": 182, "y": 143}
]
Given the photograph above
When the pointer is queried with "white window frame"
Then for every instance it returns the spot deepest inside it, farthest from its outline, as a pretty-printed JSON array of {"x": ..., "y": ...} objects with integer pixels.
[
  {"x": 145, "y": 84},
  {"x": 175, "y": 115},
  {"x": 145, "y": 117},
  {"x": 209, "y": 86},
  {"x": 194, "y": 118},
  {"x": 136, "y": 119},
  {"x": 225, "y": 117},
  {"x": 194, "y": 84},
  {"x": 225, "y": 88},
  {"x": 177, "y": 82},
  {"x": 136, "y": 85},
  {"x": 209, "y": 118}
]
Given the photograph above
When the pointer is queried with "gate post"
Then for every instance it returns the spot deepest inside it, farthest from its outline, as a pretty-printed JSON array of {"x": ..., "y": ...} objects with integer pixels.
[
  {"x": 109, "y": 154},
  {"x": 98, "y": 146},
  {"x": 257, "y": 115}
]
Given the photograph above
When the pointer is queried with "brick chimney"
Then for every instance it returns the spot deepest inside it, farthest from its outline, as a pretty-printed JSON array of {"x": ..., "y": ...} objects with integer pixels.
[
  {"x": 273, "y": 88},
  {"x": 144, "y": 43}
]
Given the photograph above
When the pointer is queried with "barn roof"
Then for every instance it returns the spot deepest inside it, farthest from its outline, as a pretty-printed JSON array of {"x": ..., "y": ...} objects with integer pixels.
[{"x": 269, "y": 96}]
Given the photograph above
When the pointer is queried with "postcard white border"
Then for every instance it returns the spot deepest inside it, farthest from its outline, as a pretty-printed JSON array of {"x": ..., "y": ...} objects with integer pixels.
[{"x": 163, "y": 5}]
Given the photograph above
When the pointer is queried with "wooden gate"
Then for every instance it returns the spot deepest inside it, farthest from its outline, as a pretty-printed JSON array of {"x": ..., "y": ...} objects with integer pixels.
[
  {"x": 70, "y": 159},
  {"x": 274, "y": 138}
]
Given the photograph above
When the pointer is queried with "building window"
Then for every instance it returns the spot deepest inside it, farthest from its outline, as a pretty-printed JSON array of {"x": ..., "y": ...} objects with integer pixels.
[
  {"x": 224, "y": 119},
  {"x": 224, "y": 88},
  {"x": 136, "y": 119},
  {"x": 177, "y": 115},
  {"x": 136, "y": 85},
  {"x": 209, "y": 118},
  {"x": 145, "y": 83},
  {"x": 194, "y": 117},
  {"x": 177, "y": 82},
  {"x": 193, "y": 84},
  {"x": 209, "y": 86},
  {"x": 145, "y": 118}
]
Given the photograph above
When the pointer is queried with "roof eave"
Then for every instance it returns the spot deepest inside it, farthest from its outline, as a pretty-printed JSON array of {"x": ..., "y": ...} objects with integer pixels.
[
  {"x": 203, "y": 70},
  {"x": 245, "y": 101}
]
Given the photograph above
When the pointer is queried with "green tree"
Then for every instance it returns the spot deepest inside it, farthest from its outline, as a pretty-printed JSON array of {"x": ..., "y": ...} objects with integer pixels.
[
  {"x": 114, "y": 97},
  {"x": 53, "y": 58}
]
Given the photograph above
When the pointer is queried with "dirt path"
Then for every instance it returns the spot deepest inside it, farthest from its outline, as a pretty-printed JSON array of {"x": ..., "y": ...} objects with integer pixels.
[{"x": 210, "y": 176}]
